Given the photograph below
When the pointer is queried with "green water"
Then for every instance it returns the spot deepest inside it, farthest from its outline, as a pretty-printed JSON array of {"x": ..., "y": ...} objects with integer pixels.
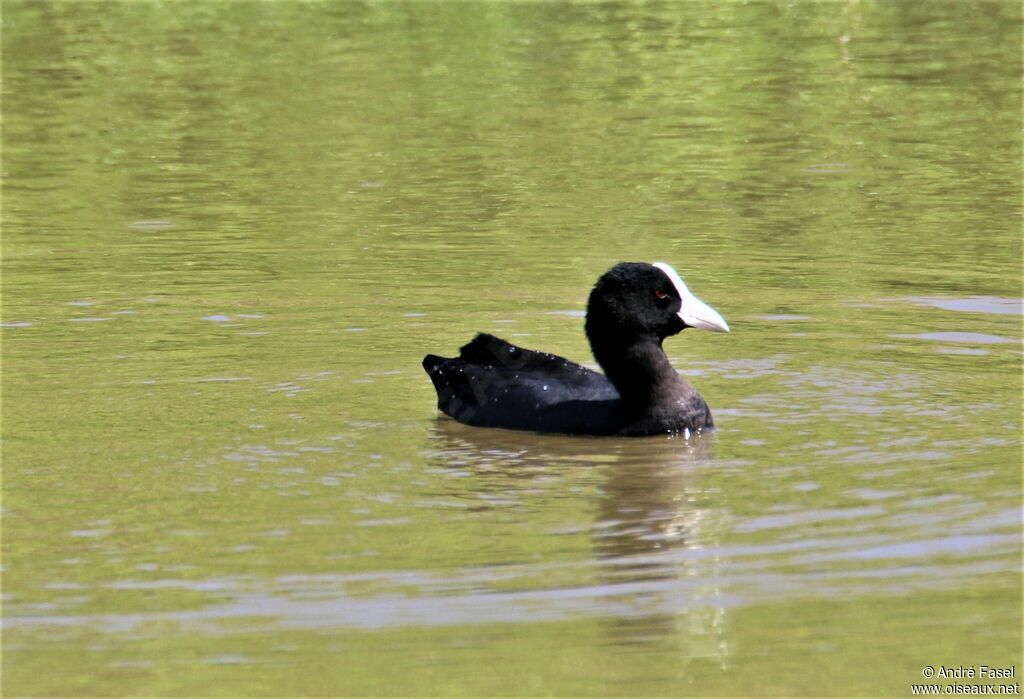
[{"x": 231, "y": 231}]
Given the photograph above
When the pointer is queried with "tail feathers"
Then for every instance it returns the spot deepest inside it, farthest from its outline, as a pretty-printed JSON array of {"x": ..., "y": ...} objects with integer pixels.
[
  {"x": 435, "y": 368},
  {"x": 431, "y": 363},
  {"x": 455, "y": 389}
]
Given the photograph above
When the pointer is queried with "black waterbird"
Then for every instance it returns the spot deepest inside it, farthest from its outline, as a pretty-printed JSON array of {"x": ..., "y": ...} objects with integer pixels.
[{"x": 632, "y": 308}]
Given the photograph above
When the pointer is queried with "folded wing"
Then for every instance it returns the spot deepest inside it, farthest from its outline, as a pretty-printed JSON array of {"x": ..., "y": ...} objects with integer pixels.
[{"x": 493, "y": 383}]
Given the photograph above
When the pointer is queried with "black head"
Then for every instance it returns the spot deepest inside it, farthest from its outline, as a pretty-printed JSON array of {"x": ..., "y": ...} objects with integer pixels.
[{"x": 635, "y": 299}]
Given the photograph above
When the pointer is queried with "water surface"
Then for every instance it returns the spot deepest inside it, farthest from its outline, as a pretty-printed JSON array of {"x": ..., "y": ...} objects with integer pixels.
[{"x": 231, "y": 231}]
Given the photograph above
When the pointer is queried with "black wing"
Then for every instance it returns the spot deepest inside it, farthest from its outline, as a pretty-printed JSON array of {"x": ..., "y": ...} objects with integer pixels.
[{"x": 493, "y": 383}]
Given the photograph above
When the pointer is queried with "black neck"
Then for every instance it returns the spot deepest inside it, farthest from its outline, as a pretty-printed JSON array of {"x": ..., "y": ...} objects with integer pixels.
[{"x": 637, "y": 366}]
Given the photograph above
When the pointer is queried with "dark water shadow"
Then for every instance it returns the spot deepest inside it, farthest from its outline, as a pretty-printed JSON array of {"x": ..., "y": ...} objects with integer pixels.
[
  {"x": 649, "y": 498},
  {"x": 653, "y": 528}
]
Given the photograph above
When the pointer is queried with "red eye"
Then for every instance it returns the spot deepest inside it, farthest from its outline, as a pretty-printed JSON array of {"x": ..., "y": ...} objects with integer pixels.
[{"x": 660, "y": 295}]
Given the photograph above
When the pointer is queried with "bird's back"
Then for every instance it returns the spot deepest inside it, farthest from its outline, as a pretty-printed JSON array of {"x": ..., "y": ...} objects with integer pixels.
[{"x": 493, "y": 383}]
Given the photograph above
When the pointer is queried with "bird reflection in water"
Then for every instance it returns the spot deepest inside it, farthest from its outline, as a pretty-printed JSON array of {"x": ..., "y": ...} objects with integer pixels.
[{"x": 650, "y": 567}]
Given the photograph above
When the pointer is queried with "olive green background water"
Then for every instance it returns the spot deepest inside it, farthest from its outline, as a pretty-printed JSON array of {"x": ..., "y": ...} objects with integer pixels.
[{"x": 231, "y": 231}]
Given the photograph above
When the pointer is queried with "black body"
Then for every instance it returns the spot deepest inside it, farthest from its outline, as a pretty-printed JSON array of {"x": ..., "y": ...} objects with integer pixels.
[{"x": 632, "y": 308}]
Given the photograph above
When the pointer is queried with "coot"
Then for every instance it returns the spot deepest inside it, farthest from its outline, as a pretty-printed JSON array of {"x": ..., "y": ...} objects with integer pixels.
[{"x": 632, "y": 308}]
